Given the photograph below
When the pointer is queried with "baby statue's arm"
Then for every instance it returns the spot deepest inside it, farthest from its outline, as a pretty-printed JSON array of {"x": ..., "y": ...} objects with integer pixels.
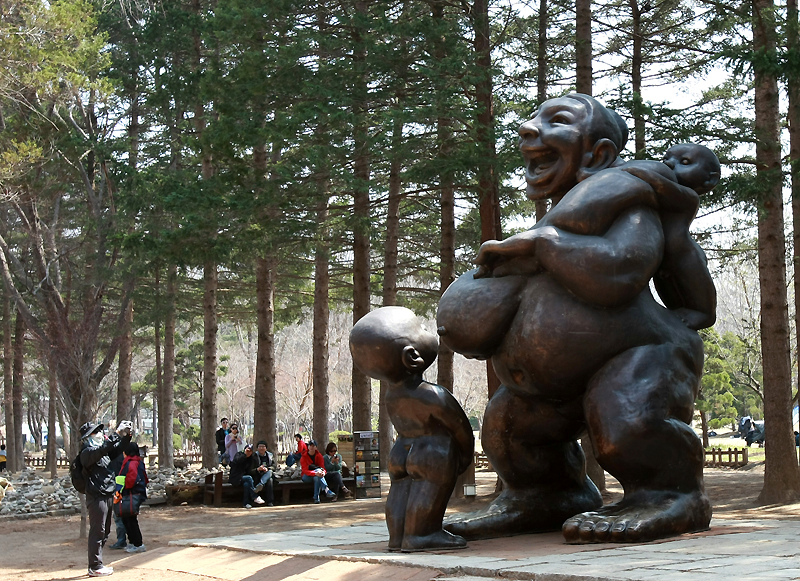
[{"x": 670, "y": 195}]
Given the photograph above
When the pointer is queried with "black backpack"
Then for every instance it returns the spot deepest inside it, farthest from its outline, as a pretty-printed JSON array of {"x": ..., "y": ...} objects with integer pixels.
[{"x": 77, "y": 474}]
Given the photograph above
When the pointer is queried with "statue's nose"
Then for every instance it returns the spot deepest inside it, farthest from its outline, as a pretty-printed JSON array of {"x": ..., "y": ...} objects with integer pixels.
[
  {"x": 528, "y": 131},
  {"x": 670, "y": 163}
]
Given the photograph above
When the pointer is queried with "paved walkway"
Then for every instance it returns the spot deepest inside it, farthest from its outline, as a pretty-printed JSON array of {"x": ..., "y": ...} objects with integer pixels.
[{"x": 753, "y": 550}]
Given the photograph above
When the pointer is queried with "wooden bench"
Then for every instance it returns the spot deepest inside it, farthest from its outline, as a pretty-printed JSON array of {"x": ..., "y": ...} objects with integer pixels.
[{"x": 216, "y": 487}]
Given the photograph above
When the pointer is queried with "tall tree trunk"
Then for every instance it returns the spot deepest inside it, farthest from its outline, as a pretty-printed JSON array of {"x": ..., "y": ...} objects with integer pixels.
[
  {"x": 166, "y": 404},
  {"x": 541, "y": 82},
  {"x": 208, "y": 419},
  {"x": 19, "y": 361},
  {"x": 321, "y": 319},
  {"x": 159, "y": 368},
  {"x": 362, "y": 385},
  {"x": 447, "y": 203},
  {"x": 636, "y": 80},
  {"x": 124, "y": 394},
  {"x": 793, "y": 89},
  {"x": 8, "y": 382},
  {"x": 159, "y": 365},
  {"x": 389, "y": 291},
  {"x": 265, "y": 409},
  {"x": 782, "y": 474},
  {"x": 488, "y": 188},
  {"x": 64, "y": 427},
  {"x": 52, "y": 404},
  {"x": 583, "y": 46}
]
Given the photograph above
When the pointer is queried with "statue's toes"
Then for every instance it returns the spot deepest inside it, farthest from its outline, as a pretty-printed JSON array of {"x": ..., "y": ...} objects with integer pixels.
[
  {"x": 580, "y": 528},
  {"x": 602, "y": 530}
]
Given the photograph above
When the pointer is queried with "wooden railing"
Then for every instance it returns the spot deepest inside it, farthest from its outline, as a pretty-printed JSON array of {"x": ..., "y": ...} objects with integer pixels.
[
  {"x": 41, "y": 462},
  {"x": 731, "y": 458},
  {"x": 481, "y": 461}
]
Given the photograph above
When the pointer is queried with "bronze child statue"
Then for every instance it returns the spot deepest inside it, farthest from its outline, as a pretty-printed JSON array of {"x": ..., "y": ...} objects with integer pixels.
[{"x": 434, "y": 437}]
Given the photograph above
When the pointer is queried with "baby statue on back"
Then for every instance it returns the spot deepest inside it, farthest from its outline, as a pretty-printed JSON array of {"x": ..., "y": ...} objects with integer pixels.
[{"x": 434, "y": 437}]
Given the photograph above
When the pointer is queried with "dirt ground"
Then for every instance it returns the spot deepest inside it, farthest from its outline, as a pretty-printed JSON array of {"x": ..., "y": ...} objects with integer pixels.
[{"x": 48, "y": 549}]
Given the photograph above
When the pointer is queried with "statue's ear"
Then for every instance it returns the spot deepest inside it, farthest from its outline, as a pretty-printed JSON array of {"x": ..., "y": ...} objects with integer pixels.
[
  {"x": 713, "y": 179},
  {"x": 412, "y": 359},
  {"x": 602, "y": 156}
]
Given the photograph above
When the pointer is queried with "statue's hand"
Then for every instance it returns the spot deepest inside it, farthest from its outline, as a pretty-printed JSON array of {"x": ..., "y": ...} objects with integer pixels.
[
  {"x": 514, "y": 255},
  {"x": 488, "y": 258}
]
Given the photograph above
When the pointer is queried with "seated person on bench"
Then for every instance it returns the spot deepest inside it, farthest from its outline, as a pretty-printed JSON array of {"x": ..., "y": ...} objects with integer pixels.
[
  {"x": 263, "y": 472},
  {"x": 312, "y": 464},
  {"x": 242, "y": 464}
]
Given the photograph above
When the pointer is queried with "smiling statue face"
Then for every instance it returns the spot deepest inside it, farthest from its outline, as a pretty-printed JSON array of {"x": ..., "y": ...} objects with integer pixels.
[{"x": 552, "y": 145}]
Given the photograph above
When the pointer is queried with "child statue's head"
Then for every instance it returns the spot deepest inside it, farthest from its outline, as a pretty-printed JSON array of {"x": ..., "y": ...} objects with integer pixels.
[
  {"x": 390, "y": 344},
  {"x": 695, "y": 166}
]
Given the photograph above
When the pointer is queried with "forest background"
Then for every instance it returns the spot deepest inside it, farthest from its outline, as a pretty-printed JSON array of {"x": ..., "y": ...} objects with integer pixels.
[{"x": 199, "y": 197}]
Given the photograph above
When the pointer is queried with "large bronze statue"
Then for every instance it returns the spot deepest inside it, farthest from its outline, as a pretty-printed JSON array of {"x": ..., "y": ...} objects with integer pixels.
[{"x": 566, "y": 315}]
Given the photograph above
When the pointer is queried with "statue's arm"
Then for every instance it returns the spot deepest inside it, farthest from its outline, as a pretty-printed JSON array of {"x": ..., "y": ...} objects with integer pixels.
[
  {"x": 449, "y": 413},
  {"x": 670, "y": 196},
  {"x": 606, "y": 270}
]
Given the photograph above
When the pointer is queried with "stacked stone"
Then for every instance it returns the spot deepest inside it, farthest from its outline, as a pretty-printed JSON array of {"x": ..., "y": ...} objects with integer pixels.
[{"x": 31, "y": 493}]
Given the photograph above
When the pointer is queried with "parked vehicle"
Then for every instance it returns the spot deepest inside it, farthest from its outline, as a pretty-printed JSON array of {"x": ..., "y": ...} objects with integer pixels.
[{"x": 756, "y": 434}]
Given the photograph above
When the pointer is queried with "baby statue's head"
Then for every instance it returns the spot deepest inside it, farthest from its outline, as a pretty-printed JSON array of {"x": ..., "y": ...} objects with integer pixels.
[
  {"x": 390, "y": 344},
  {"x": 695, "y": 166}
]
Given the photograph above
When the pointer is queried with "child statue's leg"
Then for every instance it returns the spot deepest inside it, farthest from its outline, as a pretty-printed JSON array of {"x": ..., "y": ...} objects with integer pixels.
[
  {"x": 432, "y": 465},
  {"x": 638, "y": 408},
  {"x": 398, "y": 493}
]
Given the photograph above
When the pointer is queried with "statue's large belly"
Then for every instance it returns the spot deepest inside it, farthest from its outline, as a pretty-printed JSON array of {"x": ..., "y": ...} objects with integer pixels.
[
  {"x": 475, "y": 313},
  {"x": 556, "y": 342}
]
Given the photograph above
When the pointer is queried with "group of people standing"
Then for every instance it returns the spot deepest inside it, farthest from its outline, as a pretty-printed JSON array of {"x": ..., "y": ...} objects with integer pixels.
[
  {"x": 114, "y": 475},
  {"x": 253, "y": 468}
]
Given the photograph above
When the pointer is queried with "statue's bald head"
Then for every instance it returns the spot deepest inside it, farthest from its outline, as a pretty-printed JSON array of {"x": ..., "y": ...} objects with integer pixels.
[
  {"x": 390, "y": 343},
  {"x": 602, "y": 123}
]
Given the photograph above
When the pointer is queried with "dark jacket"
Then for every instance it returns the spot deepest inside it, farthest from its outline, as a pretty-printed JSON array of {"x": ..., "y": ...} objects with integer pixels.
[
  {"x": 96, "y": 461},
  {"x": 220, "y": 436},
  {"x": 241, "y": 465},
  {"x": 268, "y": 461}
]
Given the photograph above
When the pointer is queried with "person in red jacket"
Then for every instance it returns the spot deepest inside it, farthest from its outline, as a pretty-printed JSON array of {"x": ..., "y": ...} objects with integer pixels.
[
  {"x": 312, "y": 464},
  {"x": 135, "y": 484},
  {"x": 301, "y": 449}
]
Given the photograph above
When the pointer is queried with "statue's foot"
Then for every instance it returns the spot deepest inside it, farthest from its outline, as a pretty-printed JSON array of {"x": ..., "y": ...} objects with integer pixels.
[
  {"x": 642, "y": 516},
  {"x": 435, "y": 541},
  {"x": 517, "y": 512}
]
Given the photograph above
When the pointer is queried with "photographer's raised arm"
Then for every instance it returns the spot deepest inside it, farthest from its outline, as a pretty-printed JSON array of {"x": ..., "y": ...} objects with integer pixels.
[{"x": 607, "y": 270}]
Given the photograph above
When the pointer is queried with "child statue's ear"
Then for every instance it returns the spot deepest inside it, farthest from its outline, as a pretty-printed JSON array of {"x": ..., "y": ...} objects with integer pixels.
[
  {"x": 602, "y": 156},
  {"x": 412, "y": 359},
  {"x": 713, "y": 179}
]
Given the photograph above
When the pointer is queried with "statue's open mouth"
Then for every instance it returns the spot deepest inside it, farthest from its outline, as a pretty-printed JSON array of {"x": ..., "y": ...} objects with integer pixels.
[{"x": 539, "y": 163}]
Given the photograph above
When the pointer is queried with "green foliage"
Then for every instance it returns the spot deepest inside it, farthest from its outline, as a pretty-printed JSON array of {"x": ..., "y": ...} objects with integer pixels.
[
  {"x": 730, "y": 384},
  {"x": 192, "y": 433}
]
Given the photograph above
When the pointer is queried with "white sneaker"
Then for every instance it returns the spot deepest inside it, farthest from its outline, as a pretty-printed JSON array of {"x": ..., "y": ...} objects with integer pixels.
[
  {"x": 258, "y": 500},
  {"x": 101, "y": 572},
  {"x": 132, "y": 549},
  {"x": 248, "y": 506}
]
